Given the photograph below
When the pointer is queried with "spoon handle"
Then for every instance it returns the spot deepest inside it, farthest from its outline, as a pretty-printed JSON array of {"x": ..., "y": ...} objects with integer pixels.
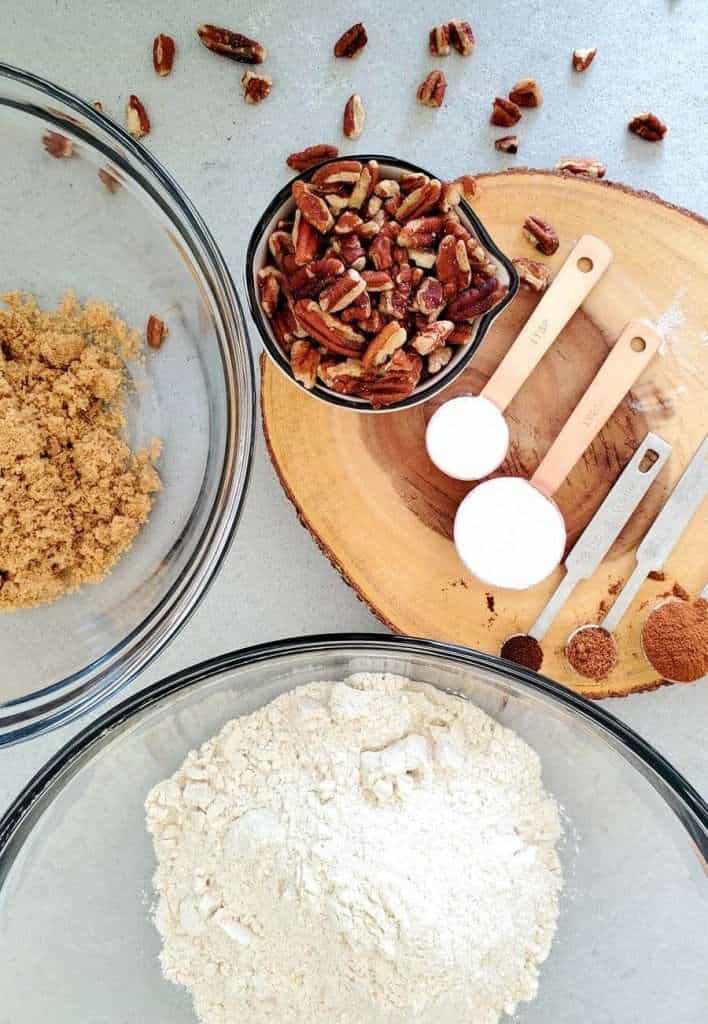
[
  {"x": 581, "y": 271},
  {"x": 628, "y": 357}
]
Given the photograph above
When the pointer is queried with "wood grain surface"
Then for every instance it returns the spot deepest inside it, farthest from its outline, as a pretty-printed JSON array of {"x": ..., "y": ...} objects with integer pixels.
[{"x": 382, "y": 513}]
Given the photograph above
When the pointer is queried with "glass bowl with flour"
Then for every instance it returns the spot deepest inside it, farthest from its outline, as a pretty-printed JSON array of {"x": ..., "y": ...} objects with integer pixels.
[{"x": 340, "y": 829}]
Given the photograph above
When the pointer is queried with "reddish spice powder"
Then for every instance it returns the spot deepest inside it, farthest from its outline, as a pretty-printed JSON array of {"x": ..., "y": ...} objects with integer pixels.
[
  {"x": 524, "y": 650},
  {"x": 592, "y": 652},
  {"x": 675, "y": 640}
]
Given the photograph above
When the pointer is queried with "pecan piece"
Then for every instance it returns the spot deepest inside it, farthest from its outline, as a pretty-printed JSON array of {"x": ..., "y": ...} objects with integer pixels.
[
  {"x": 532, "y": 273},
  {"x": 527, "y": 93},
  {"x": 431, "y": 91},
  {"x": 352, "y": 42},
  {"x": 648, "y": 126},
  {"x": 312, "y": 207},
  {"x": 377, "y": 280},
  {"x": 340, "y": 376},
  {"x": 397, "y": 382},
  {"x": 382, "y": 347},
  {"x": 507, "y": 144},
  {"x": 462, "y": 335},
  {"x": 470, "y": 186},
  {"x": 359, "y": 309},
  {"x": 439, "y": 358},
  {"x": 504, "y": 112},
  {"x": 541, "y": 234},
  {"x": 347, "y": 222},
  {"x": 582, "y": 59},
  {"x": 342, "y": 292},
  {"x": 423, "y": 258},
  {"x": 419, "y": 232},
  {"x": 364, "y": 185},
  {"x": 411, "y": 180},
  {"x": 232, "y": 44},
  {"x": 439, "y": 40},
  {"x": 474, "y": 301},
  {"x": 453, "y": 265},
  {"x": 327, "y": 329},
  {"x": 354, "y": 117},
  {"x": 351, "y": 251},
  {"x": 419, "y": 201},
  {"x": 451, "y": 195},
  {"x": 387, "y": 188},
  {"x": 156, "y": 331},
  {"x": 57, "y": 145},
  {"x": 280, "y": 244},
  {"x": 430, "y": 298},
  {"x": 462, "y": 37},
  {"x": 381, "y": 252},
  {"x": 304, "y": 362},
  {"x": 305, "y": 239},
  {"x": 432, "y": 336},
  {"x": 582, "y": 165},
  {"x": 163, "y": 54},
  {"x": 136, "y": 118},
  {"x": 269, "y": 281},
  {"x": 255, "y": 87},
  {"x": 310, "y": 157}
]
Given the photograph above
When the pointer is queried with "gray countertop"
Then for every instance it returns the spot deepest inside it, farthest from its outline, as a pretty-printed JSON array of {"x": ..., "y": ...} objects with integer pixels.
[{"x": 230, "y": 157}]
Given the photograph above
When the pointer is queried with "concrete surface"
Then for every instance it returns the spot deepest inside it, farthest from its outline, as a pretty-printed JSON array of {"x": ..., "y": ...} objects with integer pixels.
[{"x": 229, "y": 157}]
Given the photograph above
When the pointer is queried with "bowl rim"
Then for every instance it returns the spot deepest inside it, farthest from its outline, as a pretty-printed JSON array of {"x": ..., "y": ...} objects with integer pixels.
[
  {"x": 674, "y": 789},
  {"x": 63, "y": 701},
  {"x": 430, "y": 388}
]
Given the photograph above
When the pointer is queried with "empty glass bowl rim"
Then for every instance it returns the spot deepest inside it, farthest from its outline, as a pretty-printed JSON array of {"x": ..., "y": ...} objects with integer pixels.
[
  {"x": 62, "y": 701},
  {"x": 679, "y": 796}
]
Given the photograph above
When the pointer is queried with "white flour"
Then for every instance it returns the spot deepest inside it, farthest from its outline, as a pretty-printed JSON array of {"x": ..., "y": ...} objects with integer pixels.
[{"x": 367, "y": 852}]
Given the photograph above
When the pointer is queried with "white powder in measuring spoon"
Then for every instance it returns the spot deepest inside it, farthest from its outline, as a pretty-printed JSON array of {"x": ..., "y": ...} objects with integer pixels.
[{"x": 366, "y": 852}]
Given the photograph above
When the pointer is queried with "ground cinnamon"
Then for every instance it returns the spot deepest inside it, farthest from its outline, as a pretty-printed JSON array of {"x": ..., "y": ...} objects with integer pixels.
[
  {"x": 675, "y": 640},
  {"x": 524, "y": 650},
  {"x": 592, "y": 652}
]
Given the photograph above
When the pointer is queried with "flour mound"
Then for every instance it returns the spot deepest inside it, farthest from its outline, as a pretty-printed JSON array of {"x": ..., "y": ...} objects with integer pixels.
[{"x": 366, "y": 852}]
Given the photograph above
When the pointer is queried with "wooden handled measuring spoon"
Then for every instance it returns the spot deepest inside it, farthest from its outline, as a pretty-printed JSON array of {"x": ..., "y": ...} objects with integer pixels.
[
  {"x": 508, "y": 531},
  {"x": 468, "y": 438}
]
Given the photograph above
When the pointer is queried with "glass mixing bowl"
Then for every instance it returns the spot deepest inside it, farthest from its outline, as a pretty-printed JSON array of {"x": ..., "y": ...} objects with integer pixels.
[
  {"x": 76, "y": 939},
  {"x": 145, "y": 249}
]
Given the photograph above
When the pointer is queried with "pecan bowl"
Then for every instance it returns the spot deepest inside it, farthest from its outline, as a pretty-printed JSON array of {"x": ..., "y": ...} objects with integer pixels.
[{"x": 383, "y": 397}]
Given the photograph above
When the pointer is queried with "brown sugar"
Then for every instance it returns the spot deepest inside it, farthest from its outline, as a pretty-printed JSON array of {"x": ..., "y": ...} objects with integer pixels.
[
  {"x": 523, "y": 649},
  {"x": 592, "y": 652},
  {"x": 675, "y": 640},
  {"x": 73, "y": 496}
]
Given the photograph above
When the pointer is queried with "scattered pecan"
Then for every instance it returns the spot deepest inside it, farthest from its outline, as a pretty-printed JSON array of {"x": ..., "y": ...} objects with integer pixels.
[
  {"x": 432, "y": 336},
  {"x": 232, "y": 44},
  {"x": 648, "y": 126},
  {"x": 439, "y": 40},
  {"x": 156, "y": 332},
  {"x": 311, "y": 156},
  {"x": 505, "y": 112},
  {"x": 163, "y": 54},
  {"x": 304, "y": 361},
  {"x": 431, "y": 91},
  {"x": 97, "y": 105},
  {"x": 312, "y": 207},
  {"x": 352, "y": 42},
  {"x": 527, "y": 93},
  {"x": 337, "y": 174},
  {"x": 382, "y": 347},
  {"x": 532, "y": 273},
  {"x": 57, "y": 145},
  {"x": 507, "y": 144},
  {"x": 582, "y": 165},
  {"x": 582, "y": 59},
  {"x": 439, "y": 358},
  {"x": 354, "y": 116},
  {"x": 462, "y": 37},
  {"x": 136, "y": 118},
  {"x": 541, "y": 234},
  {"x": 255, "y": 87},
  {"x": 109, "y": 179},
  {"x": 470, "y": 187}
]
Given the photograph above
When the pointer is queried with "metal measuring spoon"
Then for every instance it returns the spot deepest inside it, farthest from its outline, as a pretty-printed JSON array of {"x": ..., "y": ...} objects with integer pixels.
[
  {"x": 467, "y": 438},
  {"x": 508, "y": 531},
  {"x": 603, "y": 529}
]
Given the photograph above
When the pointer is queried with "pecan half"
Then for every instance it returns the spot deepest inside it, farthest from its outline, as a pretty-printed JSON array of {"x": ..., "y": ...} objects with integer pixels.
[
  {"x": 327, "y": 329},
  {"x": 419, "y": 201},
  {"x": 377, "y": 280},
  {"x": 532, "y": 273},
  {"x": 507, "y": 144},
  {"x": 541, "y": 234},
  {"x": 527, "y": 93},
  {"x": 474, "y": 301},
  {"x": 312, "y": 207},
  {"x": 57, "y": 145},
  {"x": 462, "y": 37},
  {"x": 136, "y": 119},
  {"x": 163, "y": 54},
  {"x": 582, "y": 59},
  {"x": 431, "y": 91},
  {"x": 364, "y": 186},
  {"x": 582, "y": 165},
  {"x": 504, "y": 112},
  {"x": 352, "y": 42},
  {"x": 304, "y": 362},
  {"x": 232, "y": 44},
  {"x": 419, "y": 232},
  {"x": 433, "y": 336},
  {"x": 648, "y": 126},
  {"x": 156, "y": 331},
  {"x": 453, "y": 265},
  {"x": 342, "y": 292},
  {"x": 354, "y": 116},
  {"x": 382, "y": 347},
  {"x": 339, "y": 172},
  {"x": 411, "y": 180},
  {"x": 255, "y": 87},
  {"x": 269, "y": 280},
  {"x": 439, "y": 358},
  {"x": 439, "y": 40},
  {"x": 310, "y": 157}
]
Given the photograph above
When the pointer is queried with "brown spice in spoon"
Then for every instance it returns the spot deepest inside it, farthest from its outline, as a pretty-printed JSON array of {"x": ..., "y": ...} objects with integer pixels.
[
  {"x": 523, "y": 649},
  {"x": 675, "y": 640},
  {"x": 592, "y": 652}
]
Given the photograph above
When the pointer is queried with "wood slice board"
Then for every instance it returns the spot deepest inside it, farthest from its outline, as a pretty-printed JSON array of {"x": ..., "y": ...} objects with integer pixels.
[{"x": 381, "y": 512}]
